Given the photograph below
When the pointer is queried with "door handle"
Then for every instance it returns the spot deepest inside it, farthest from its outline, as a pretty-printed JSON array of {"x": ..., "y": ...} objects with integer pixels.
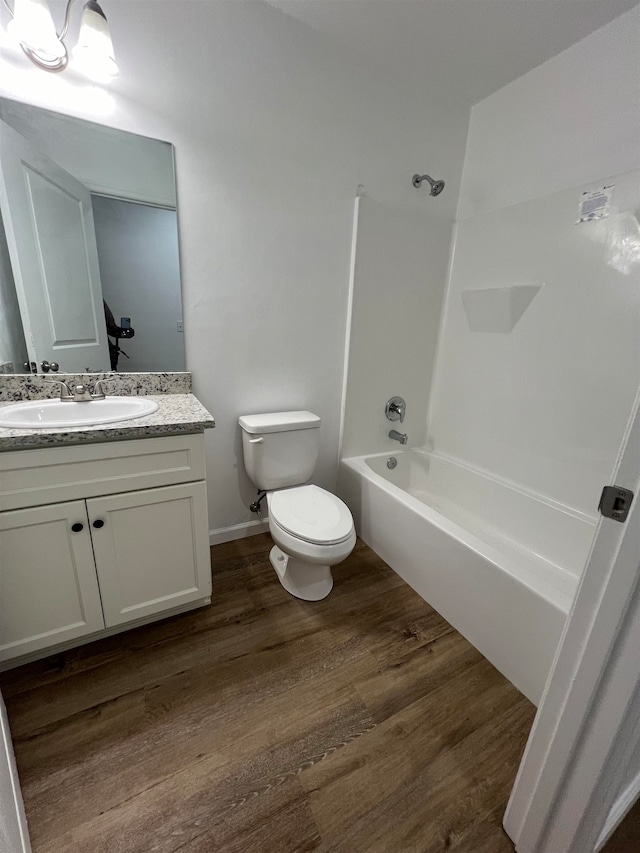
[
  {"x": 98, "y": 523},
  {"x": 259, "y": 440},
  {"x": 77, "y": 527}
]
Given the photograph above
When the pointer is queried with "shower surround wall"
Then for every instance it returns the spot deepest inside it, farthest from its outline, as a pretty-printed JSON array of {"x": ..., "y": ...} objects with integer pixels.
[
  {"x": 399, "y": 269},
  {"x": 537, "y": 367},
  {"x": 545, "y": 405}
]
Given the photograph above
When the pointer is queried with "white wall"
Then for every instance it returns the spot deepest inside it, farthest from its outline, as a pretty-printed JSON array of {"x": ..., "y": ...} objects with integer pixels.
[
  {"x": 140, "y": 275},
  {"x": 274, "y": 128},
  {"x": 399, "y": 277},
  {"x": 545, "y": 405}
]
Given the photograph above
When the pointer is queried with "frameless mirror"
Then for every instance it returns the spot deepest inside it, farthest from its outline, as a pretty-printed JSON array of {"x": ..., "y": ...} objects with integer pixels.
[{"x": 89, "y": 266}]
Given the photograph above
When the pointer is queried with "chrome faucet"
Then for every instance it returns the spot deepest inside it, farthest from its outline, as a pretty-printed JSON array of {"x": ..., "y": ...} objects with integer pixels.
[
  {"x": 402, "y": 437},
  {"x": 81, "y": 393},
  {"x": 78, "y": 393}
]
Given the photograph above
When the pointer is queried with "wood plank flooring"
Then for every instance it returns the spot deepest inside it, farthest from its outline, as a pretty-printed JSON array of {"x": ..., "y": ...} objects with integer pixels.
[
  {"x": 263, "y": 724},
  {"x": 626, "y": 838}
]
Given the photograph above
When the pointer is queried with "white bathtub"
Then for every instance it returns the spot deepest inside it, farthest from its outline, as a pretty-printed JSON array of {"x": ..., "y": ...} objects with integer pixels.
[{"x": 500, "y": 564}]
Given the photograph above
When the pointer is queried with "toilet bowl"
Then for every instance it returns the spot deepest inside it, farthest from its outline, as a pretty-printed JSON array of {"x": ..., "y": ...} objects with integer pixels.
[{"x": 312, "y": 529}]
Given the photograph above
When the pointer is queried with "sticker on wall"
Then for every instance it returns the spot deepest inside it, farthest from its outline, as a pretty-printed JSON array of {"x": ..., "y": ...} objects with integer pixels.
[{"x": 595, "y": 205}]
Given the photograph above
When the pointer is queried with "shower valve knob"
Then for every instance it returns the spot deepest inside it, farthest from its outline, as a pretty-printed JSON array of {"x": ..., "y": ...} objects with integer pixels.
[{"x": 395, "y": 409}]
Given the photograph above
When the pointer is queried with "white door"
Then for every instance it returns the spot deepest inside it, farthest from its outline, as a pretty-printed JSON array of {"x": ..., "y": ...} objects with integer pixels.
[
  {"x": 579, "y": 773},
  {"x": 52, "y": 243},
  {"x": 14, "y": 837},
  {"x": 48, "y": 584},
  {"x": 151, "y": 550}
]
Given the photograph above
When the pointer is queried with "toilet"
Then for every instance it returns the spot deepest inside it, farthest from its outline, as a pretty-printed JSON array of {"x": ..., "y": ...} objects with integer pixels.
[{"x": 312, "y": 529}]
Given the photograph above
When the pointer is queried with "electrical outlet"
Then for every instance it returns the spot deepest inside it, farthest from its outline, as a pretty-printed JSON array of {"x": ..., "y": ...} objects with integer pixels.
[{"x": 180, "y": 326}]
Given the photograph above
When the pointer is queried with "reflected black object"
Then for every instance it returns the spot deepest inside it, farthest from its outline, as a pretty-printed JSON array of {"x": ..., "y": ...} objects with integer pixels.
[{"x": 117, "y": 332}]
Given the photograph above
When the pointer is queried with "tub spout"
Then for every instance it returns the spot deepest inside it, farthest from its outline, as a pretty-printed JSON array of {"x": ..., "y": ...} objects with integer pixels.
[{"x": 398, "y": 436}]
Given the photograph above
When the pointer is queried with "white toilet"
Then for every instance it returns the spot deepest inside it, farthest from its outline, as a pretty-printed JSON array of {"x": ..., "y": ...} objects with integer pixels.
[{"x": 312, "y": 529}]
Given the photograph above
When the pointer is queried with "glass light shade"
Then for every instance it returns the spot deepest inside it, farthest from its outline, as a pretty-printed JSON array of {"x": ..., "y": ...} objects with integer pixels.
[
  {"x": 33, "y": 26},
  {"x": 94, "y": 50}
]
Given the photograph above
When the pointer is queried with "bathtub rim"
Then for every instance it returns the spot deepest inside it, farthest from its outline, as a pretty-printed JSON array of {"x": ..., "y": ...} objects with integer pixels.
[
  {"x": 559, "y": 594},
  {"x": 573, "y": 512}
]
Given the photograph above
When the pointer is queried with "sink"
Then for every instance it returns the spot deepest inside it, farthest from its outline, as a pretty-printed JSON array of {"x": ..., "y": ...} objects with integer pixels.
[{"x": 51, "y": 414}]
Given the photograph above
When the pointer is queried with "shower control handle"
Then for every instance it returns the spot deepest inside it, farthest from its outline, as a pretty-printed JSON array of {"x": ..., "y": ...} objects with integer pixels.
[{"x": 395, "y": 409}]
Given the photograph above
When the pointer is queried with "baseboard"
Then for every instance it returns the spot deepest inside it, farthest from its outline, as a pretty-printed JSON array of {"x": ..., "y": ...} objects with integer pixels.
[{"x": 238, "y": 531}]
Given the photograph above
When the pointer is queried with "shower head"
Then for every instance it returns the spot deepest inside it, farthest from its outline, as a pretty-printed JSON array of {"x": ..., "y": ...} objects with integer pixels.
[{"x": 436, "y": 186}]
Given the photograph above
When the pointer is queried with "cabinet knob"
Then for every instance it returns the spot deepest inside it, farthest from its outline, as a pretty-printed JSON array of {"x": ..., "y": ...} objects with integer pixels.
[
  {"x": 98, "y": 523},
  {"x": 77, "y": 527}
]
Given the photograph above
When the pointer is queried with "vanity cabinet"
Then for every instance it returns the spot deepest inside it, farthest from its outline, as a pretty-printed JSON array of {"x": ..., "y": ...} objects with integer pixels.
[{"x": 114, "y": 556}]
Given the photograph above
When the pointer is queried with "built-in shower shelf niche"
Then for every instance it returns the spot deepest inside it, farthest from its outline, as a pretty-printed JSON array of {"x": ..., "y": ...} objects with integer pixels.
[{"x": 497, "y": 309}]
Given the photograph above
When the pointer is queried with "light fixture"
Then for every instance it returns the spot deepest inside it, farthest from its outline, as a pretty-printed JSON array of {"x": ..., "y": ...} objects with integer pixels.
[
  {"x": 33, "y": 28},
  {"x": 94, "y": 50}
]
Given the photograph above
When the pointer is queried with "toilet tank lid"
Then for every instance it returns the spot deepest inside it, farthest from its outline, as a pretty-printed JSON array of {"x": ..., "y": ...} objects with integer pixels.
[{"x": 279, "y": 422}]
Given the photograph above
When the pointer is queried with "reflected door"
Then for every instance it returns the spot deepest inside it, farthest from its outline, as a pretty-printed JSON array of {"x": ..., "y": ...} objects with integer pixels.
[{"x": 51, "y": 237}]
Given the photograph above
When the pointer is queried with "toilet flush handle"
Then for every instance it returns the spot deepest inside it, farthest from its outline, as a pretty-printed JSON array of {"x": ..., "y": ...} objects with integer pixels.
[{"x": 259, "y": 440}]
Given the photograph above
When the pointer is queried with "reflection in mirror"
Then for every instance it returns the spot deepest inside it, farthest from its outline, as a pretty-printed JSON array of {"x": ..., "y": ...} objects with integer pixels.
[{"x": 89, "y": 266}]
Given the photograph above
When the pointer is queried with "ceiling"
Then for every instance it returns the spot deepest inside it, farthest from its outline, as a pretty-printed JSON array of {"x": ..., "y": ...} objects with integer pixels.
[{"x": 470, "y": 47}]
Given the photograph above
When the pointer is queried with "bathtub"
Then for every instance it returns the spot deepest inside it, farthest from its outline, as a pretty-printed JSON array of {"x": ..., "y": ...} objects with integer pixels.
[{"x": 499, "y": 563}]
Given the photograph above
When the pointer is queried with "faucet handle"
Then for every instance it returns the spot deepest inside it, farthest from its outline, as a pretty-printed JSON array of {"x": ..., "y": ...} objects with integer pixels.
[
  {"x": 65, "y": 391},
  {"x": 98, "y": 389},
  {"x": 395, "y": 409}
]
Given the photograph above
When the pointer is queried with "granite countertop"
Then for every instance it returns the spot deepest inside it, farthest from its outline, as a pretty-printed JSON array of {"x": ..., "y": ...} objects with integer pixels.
[{"x": 177, "y": 412}]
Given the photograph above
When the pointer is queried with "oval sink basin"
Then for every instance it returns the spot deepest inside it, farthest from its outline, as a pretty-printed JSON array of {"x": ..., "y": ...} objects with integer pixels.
[{"x": 51, "y": 414}]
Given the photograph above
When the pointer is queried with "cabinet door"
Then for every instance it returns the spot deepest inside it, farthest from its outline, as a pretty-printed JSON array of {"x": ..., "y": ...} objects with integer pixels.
[
  {"x": 48, "y": 585},
  {"x": 151, "y": 550}
]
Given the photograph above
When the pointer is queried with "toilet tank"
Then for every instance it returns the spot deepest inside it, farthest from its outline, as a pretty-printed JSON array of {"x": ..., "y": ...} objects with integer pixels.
[{"x": 280, "y": 448}]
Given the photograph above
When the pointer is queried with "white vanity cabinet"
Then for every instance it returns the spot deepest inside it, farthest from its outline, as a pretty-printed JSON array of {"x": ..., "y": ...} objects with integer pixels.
[{"x": 96, "y": 538}]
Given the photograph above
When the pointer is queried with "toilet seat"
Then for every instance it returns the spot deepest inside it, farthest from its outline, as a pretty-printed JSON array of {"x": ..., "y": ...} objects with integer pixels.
[{"x": 311, "y": 514}]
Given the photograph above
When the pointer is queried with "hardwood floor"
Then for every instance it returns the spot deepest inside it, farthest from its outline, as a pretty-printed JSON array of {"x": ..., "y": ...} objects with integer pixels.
[
  {"x": 263, "y": 723},
  {"x": 626, "y": 838}
]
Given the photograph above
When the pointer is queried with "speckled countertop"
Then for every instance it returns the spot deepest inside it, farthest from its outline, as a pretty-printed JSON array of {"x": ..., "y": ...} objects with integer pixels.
[{"x": 177, "y": 412}]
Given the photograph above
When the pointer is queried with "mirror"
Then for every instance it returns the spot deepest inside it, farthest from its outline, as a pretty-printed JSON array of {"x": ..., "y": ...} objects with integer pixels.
[{"x": 89, "y": 265}]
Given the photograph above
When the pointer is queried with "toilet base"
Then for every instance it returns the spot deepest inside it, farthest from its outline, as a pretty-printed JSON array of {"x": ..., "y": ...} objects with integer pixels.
[{"x": 303, "y": 580}]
